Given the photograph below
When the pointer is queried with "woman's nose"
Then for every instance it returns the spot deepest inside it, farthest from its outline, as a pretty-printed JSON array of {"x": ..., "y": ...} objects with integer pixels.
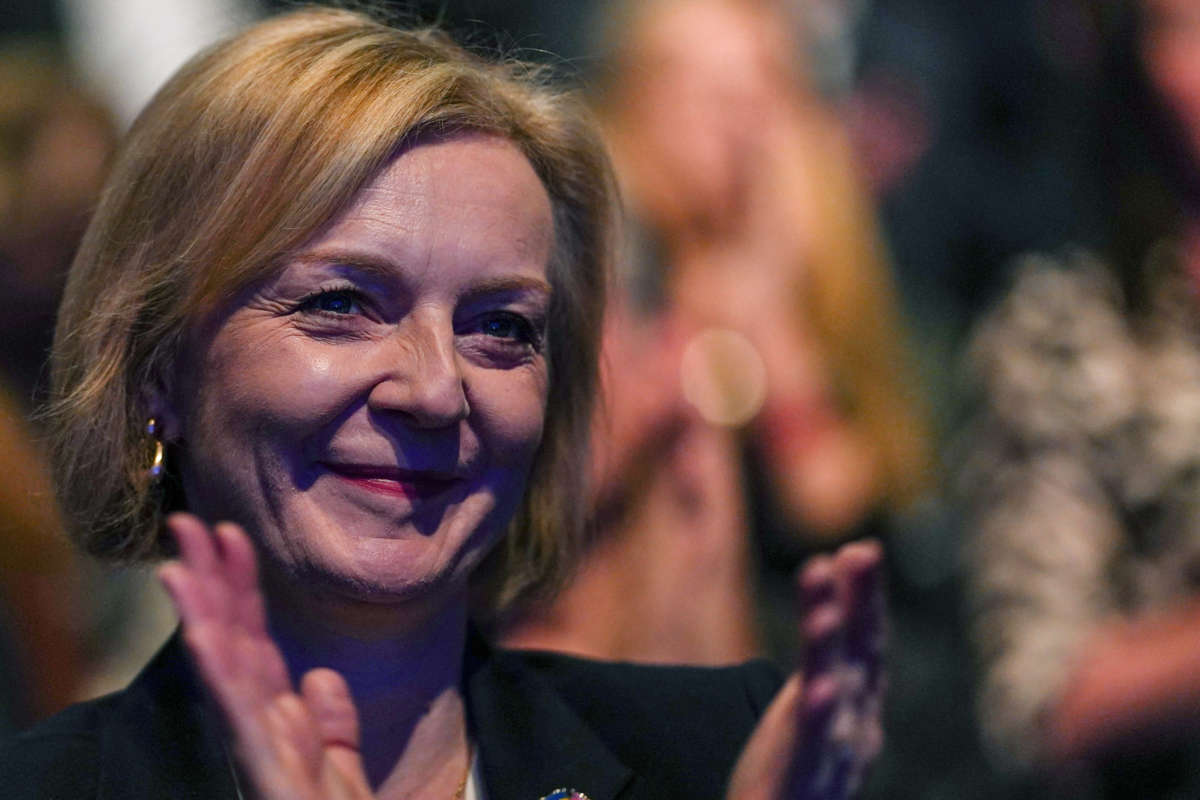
[{"x": 421, "y": 376}]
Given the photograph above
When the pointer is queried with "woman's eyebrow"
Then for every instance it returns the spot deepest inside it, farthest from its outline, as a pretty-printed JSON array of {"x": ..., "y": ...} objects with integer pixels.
[
  {"x": 381, "y": 267},
  {"x": 509, "y": 284},
  {"x": 368, "y": 263}
]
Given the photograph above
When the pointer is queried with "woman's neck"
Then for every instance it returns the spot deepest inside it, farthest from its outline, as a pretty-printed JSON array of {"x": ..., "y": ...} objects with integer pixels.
[{"x": 404, "y": 670}]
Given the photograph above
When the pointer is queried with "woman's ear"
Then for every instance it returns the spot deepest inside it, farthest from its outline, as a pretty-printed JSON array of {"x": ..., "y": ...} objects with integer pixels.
[{"x": 159, "y": 402}]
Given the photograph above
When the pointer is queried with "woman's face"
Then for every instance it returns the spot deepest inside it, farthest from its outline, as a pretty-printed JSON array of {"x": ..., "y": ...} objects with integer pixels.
[
  {"x": 371, "y": 411},
  {"x": 705, "y": 90}
]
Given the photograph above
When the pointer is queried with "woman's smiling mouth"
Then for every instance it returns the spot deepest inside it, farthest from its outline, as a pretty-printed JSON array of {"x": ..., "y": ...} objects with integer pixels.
[{"x": 412, "y": 484}]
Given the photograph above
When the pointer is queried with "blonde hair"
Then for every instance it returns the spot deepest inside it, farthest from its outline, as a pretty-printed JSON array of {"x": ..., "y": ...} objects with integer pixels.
[
  {"x": 849, "y": 298},
  {"x": 247, "y": 151}
]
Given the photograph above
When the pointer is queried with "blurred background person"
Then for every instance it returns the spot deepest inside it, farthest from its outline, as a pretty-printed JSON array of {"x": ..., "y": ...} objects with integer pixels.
[
  {"x": 41, "y": 641},
  {"x": 758, "y": 326},
  {"x": 54, "y": 145},
  {"x": 1085, "y": 457},
  {"x": 55, "y": 141}
]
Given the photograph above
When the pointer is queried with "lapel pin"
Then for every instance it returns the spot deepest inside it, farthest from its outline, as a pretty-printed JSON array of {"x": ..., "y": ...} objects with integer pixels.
[{"x": 566, "y": 794}]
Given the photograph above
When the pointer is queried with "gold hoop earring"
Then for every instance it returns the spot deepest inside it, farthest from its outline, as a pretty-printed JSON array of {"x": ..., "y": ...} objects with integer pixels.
[{"x": 156, "y": 466}]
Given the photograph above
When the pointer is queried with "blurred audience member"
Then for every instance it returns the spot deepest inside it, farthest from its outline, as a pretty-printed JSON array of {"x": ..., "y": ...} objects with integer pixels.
[
  {"x": 758, "y": 322},
  {"x": 1085, "y": 472},
  {"x": 54, "y": 147},
  {"x": 969, "y": 117},
  {"x": 41, "y": 658},
  {"x": 55, "y": 143}
]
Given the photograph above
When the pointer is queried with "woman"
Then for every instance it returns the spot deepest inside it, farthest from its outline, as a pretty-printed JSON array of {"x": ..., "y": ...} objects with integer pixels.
[
  {"x": 1085, "y": 461},
  {"x": 343, "y": 291}
]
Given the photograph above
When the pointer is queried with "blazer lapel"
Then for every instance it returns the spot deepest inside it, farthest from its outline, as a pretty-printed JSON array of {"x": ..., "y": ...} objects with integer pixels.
[{"x": 530, "y": 741}]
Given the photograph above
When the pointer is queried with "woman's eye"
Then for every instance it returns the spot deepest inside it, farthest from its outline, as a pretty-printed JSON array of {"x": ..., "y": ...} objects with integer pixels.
[
  {"x": 510, "y": 327},
  {"x": 333, "y": 301}
]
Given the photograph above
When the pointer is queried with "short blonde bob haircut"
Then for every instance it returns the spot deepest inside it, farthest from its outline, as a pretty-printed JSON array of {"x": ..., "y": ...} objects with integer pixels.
[{"x": 242, "y": 156}]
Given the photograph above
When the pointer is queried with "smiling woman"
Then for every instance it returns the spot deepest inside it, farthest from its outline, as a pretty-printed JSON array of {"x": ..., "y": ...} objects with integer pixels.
[
  {"x": 374, "y": 425},
  {"x": 237, "y": 167},
  {"x": 351, "y": 278}
]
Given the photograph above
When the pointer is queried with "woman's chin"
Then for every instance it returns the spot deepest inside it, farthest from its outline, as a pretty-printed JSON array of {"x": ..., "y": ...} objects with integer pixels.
[
  {"x": 390, "y": 572},
  {"x": 363, "y": 603},
  {"x": 339, "y": 554}
]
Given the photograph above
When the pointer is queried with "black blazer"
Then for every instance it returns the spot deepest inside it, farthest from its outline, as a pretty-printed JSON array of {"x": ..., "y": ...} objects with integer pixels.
[{"x": 542, "y": 721}]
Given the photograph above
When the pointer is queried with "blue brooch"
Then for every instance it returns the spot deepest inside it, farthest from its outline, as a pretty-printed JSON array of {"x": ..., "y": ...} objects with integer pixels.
[{"x": 566, "y": 794}]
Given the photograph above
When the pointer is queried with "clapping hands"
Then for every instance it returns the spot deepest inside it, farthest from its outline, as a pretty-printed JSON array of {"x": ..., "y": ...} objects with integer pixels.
[
  {"x": 814, "y": 742},
  {"x": 824, "y": 728},
  {"x": 293, "y": 745}
]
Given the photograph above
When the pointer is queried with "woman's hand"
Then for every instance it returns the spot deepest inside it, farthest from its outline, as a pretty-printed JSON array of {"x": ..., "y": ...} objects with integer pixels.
[
  {"x": 642, "y": 409},
  {"x": 823, "y": 729},
  {"x": 293, "y": 746},
  {"x": 814, "y": 741}
]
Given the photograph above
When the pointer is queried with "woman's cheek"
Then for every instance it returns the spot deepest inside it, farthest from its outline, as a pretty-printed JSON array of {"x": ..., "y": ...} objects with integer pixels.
[
  {"x": 310, "y": 387},
  {"x": 294, "y": 381},
  {"x": 514, "y": 415}
]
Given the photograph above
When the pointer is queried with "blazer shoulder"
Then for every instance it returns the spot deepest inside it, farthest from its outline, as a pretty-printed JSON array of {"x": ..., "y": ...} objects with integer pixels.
[
  {"x": 750, "y": 685},
  {"x": 57, "y": 758},
  {"x": 685, "y": 725},
  {"x": 152, "y": 739}
]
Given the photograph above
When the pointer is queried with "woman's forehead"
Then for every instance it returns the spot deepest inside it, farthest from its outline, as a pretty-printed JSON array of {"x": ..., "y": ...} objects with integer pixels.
[{"x": 471, "y": 202}]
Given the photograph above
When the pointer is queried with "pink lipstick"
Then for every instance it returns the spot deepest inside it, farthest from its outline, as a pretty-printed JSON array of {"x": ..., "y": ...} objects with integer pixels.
[{"x": 413, "y": 484}]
